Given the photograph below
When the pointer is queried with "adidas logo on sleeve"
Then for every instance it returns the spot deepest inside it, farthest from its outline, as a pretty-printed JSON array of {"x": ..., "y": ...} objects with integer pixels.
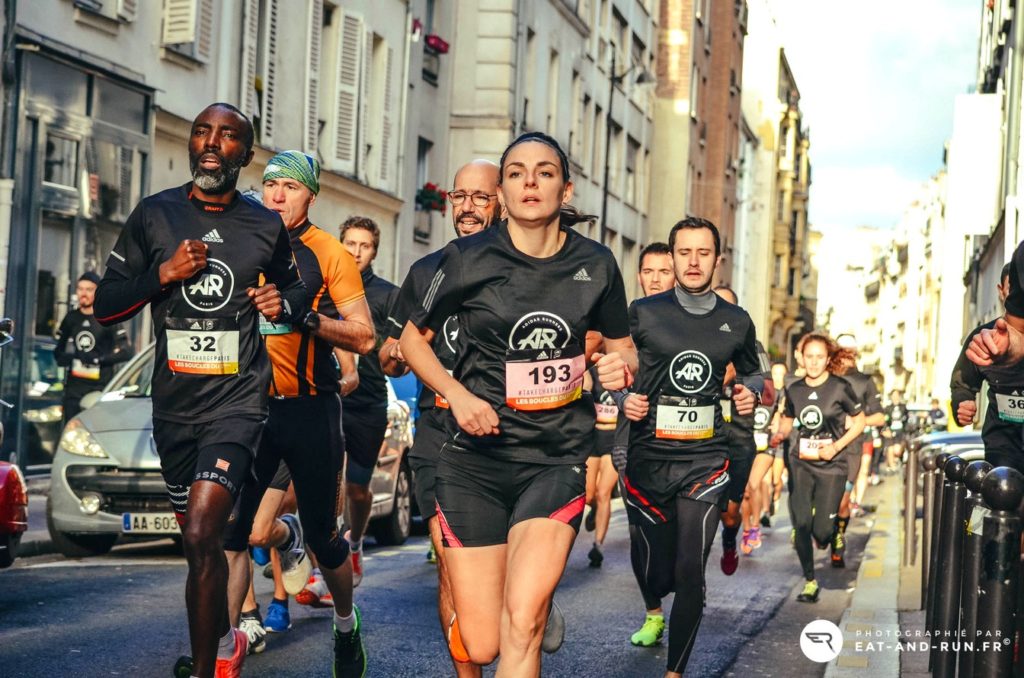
[
  {"x": 582, "y": 275},
  {"x": 213, "y": 236},
  {"x": 725, "y": 328}
]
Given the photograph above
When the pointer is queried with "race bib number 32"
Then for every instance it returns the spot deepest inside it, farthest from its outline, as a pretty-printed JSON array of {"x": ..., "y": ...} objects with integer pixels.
[
  {"x": 202, "y": 346},
  {"x": 1011, "y": 408},
  {"x": 543, "y": 380}
]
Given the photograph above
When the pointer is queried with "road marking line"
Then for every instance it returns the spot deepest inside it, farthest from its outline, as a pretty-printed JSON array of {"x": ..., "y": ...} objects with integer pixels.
[{"x": 133, "y": 562}]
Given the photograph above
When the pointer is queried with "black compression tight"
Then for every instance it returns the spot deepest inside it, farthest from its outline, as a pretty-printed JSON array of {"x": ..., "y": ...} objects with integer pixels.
[
  {"x": 666, "y": 559},
  {"x": 813, "y": 504}
]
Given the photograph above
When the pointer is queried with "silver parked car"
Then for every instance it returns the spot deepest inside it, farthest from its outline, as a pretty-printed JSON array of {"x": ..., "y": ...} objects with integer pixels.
[{"x": 105, "y": 481}]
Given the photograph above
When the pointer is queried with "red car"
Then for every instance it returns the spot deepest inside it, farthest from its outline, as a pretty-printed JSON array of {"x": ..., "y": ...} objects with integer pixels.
[{"x": 13, "y": 492}]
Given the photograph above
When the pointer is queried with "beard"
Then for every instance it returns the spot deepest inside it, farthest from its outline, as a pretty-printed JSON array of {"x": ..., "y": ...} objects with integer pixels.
[{"x": 217, "y": 181}]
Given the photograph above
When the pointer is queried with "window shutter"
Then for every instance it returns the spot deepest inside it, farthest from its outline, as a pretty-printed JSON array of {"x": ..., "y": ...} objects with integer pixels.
[
  {"x": 345, "y": 112},
  {"x": 247, "y": 88},
  {"x": 313, "y": 76},
  {"x": 363, "y": 133},
  {"x": 385, "y": 131},
  {"x": 126, "y": 9},
  {"x": 269, "y": 74},
  {"x": 179, "y": 21},
  {"x": 204, "y": 31}
]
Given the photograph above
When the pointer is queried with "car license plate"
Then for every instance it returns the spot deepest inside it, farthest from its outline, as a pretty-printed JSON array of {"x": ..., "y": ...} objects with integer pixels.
[{"x": 149, "y": 523}]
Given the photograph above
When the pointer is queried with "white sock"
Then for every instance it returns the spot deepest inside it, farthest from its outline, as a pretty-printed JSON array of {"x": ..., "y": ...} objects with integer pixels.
[
  {"x": 226, "y": 648},
  {"x": 345, "y": 624},
  {"x": 356, "y": 545},
  {"x": 316, "y": 572}
]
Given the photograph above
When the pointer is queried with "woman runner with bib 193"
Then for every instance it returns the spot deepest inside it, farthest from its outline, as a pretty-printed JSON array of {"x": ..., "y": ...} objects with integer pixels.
[
  {"x": 821, "y": 402},
  {"x": 511, "y": 478}
]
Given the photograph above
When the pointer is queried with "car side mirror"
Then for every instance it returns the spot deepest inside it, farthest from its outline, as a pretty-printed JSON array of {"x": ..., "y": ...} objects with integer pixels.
[
  {"x": 6, "y": 331},
  {"x": 90, "y": 399}
]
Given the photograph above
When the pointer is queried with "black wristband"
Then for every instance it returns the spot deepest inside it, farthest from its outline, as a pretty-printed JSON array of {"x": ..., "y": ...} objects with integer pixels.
[{"x": 312, "y": 321}]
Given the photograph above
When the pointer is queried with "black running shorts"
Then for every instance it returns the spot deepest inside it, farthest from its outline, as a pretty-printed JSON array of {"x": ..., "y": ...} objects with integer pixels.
[
  {"x": 742, "y": 450},
  {"x": 604, "y": 442},
  {"x": 221, "y": 452},
  {"x": 480, "y": 498},
  {"x": 652, "y": 485},
  {"x": 364, "y": 428},
  {"x": 426, "y": 450}
]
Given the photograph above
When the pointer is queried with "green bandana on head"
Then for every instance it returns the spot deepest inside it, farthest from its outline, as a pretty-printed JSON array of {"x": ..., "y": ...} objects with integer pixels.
[{"x": 294, "y": 165}]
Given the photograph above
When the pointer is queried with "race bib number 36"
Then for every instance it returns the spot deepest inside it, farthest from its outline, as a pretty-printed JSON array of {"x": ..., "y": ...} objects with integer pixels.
[
  {"x": 543, "y": 380},
  {"x": 202, "y": 346},
  {"x": 1011, "y": 408},
  {"x": 680, "y": 422}
]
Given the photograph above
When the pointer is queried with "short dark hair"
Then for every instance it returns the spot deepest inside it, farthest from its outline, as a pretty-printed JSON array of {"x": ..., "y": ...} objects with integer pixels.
[
  {"x": 695, "y": 223},
  {"x": 248, "y": 133},
  {"x": 653, "y": 248},
  {"x": 364, "y": 223},
  {"x": 1004, "y": 274},
  {"x": 542, "y": 138}
]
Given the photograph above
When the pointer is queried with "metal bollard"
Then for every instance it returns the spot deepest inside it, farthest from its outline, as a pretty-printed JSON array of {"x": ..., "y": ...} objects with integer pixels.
[
  {"x": 928, "y": 464},
  {"x": 938, "y": 483},
  {"x": 947, "y": 582},
  {"x": 1000, "y": 573},
  {"x": 975, "y": 512},
  {"x": 910, "y": 509}
]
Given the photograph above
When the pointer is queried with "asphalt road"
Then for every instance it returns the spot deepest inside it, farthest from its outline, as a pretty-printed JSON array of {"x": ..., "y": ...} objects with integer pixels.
[{"x": 123, "y": 615}]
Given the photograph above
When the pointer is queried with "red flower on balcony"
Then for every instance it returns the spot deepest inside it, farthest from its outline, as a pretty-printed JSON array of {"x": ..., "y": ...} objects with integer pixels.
[
  {"x": 431, "y": 198},
  {"x": 436, "y": 43}
]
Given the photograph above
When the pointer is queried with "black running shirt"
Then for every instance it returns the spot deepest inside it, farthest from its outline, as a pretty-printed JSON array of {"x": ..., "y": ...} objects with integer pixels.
[
  {"x": 446, "y": 342},
  {"x": 524, "y": 321},
  {"x": 210, "y": 361},
  {"x": 683, "y": 357},
  {"x": 1005, "y": 414},
  {"x": 89, "y": 351},
  {"x": 373, "y": 387},
  {"x": 867, "y": 393},
  {"x": 821, "y": 412}
]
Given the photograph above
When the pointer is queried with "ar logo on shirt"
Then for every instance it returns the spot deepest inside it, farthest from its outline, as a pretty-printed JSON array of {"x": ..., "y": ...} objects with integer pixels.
[
  {"x": 690, "y": 371},
  {"x": 211, "y": 288},
  {"x": 811, "y": 417},
  {"x": 451, "y": 333},
  {"x": 539, "y": 330},
  {"x": 85, "y": 341},
  {"x": 761, "y": 417}
]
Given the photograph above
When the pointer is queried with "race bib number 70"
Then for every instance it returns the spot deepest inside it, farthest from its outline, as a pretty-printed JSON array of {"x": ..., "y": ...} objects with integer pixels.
[{"x": 202, "y": 346}]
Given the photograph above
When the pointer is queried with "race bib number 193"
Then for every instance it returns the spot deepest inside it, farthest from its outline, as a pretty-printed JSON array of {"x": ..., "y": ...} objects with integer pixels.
[
  {"x": 543, "y": 380},
  {"x": 202, "y": 346}
]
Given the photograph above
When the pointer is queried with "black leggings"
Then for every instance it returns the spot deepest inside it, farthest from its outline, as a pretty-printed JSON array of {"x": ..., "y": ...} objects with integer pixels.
[
  {"x": 813, "y": 504},
  {"x": 665, "y": 559}
]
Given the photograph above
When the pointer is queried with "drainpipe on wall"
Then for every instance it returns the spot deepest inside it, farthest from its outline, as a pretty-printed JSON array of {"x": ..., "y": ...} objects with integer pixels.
[
  {"x": 8, "y": 74},
  {"x": 396, "y": 265},
  {"x": 1013, "y": 124}
]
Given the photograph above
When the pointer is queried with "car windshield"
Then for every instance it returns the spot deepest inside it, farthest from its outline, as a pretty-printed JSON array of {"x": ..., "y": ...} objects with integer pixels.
[{"x": 135, "y": 380}]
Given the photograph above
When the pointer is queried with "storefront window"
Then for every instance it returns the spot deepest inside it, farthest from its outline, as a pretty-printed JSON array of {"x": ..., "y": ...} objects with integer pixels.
[
  {"x": 61, "y": 164},
  {"x": 62, "y": 87},
  {"x": 121, "y": 106}
]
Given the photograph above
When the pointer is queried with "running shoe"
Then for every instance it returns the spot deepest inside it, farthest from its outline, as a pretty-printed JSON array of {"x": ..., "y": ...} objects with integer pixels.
[
  {"x": 651, "y": 632},
  {"x": 595, "y": 555},
  {"x": 278, "y": 619},
  {"x": 755, "y": 537},
  {"x": 260, "y": 555},
  {"x": 252, "y": 625},
  {"x": 810, "y": 593},
  {"x": 432, "y": 555},
  {"x": 349, "y": 654},
  {"x": 295, "y": 565},
  {"x": 730, "y": 560},
  {"x": 590, "y": 522},
  {"x": 766, "y": 520},
  {"x": 745, "y": 545},
  {"x": 357, "y": 560},
  {"x": 232, "y": 668},
  {"x": 268, "y": 571},
  {"x": 838, "y": 549},
  {"x": 316, "y": 594},
  {"x": 554, "y": 630}
]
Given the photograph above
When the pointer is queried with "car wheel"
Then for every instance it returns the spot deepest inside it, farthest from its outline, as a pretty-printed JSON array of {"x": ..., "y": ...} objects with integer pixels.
[
  {"x": 72, "y": 545},
  {"x": 394, "y": 529},
  {"x": 8, "y": 549}
]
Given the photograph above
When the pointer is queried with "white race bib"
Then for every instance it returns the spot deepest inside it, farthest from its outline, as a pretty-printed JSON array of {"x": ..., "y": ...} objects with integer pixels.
[
  {"x": 810, "y": 448},
  {"x": 607, "y": 416},
  {"x": 82, "y": 371},
  {"x": 761, "y": 440},
  {"x": 682, "y": 422},
  {"x": 1011, "y": 408},
  {"x": 202, "y": 346}
]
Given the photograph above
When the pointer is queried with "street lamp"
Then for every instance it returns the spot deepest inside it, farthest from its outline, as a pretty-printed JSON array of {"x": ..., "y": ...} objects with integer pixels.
[{"x": 645, "y": 78}]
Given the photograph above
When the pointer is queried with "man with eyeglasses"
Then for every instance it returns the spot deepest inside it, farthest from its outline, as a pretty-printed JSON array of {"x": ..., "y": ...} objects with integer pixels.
[{"x": 474, "y": 202}]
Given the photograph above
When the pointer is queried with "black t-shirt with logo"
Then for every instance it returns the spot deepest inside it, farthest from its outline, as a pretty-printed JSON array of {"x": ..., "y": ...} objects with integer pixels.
[
  {"x": 867, "y": 393},
  {"x": 822, "y": 411},
  {"x": 683, "y": 358},
  {"x": 372, "y": 391},
  {"x": 410, "y": 297},
  {"x": 210, "y": 360},
  {"x": 523, "y": 322},
  {"x": 89, "y": 351}
]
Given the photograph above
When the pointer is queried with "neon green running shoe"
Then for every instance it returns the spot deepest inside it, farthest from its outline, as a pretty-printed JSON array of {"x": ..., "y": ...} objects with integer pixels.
[
  {"x": 810, "y": 593},
  {"x": 432, "y": 555},
  {"x": 651, "y": 632}
]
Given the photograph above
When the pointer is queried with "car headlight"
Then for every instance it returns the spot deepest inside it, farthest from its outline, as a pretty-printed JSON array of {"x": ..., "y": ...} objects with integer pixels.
[
  {"x": 47, "y": 415},
  {"x": 77, "y": 440}
]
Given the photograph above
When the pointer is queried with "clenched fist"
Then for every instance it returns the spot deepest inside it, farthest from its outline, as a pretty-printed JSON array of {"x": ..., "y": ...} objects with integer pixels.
[{"x": 187, "y": 260}]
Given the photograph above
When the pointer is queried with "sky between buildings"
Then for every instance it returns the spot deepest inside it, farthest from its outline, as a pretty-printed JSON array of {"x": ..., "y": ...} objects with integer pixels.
[{"x": 877, "y": 80}]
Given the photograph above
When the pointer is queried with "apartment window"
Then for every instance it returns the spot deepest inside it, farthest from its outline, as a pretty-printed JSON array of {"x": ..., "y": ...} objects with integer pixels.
[
  {"x": 588, "y": 132},
  {"x": 638, "y": 49},
  {"x": 188, "y": 28},
  {"x": 599, "y": 150},
  {"x": 621, "y": 40},
  {"x": 531, "y": 67},
  {"x": 117, "y": 10},
  {"x": 553, "y": 95},
  {"x": 423, "y": 147},
  {"x": 615, "y": 159},
  {"x": 632, "y": 156},
  {"x": 575, "y": 131},
  {"x": 777, "y": 271},
  {"x": 602, "y": 32},
  {"x": 61, "y": 164}
]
